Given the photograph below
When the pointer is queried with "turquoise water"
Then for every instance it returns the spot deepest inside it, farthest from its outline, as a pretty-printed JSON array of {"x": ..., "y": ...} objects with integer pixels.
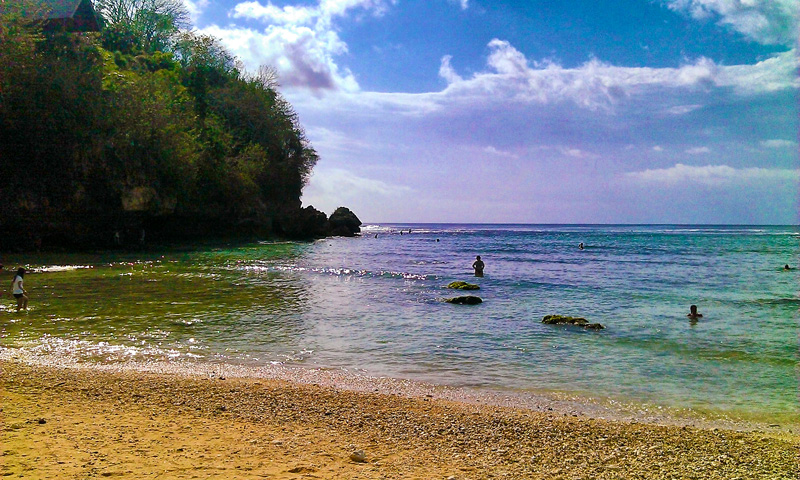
[{"x": 374, "y": 305}]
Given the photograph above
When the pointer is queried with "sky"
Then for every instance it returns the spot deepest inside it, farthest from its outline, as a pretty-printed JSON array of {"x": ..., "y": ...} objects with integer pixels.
[{"x": 573, "y": 111}]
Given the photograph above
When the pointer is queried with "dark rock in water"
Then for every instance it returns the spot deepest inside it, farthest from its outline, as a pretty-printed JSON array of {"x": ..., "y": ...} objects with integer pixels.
[
  {"x": 565, "y": 320},
  {"x": 466, "y": 300},
  {"x": 309, "y": 223},
  {"x": 463, "y": 286},
  {"x": 303, "y": 223},
  {"x": 343, "y": 223},
  {"x": 594, "y": 326}
]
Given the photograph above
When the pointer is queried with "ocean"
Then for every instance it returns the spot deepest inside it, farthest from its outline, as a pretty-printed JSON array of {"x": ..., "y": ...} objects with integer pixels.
[{"x": 374, "y": 306}]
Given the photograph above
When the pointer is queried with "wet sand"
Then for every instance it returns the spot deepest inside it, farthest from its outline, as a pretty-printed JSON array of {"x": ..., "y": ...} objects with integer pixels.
[{"x": 67, "y": 422}]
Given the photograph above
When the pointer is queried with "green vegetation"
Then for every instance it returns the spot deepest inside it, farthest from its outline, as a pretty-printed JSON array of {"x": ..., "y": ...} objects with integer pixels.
[{"x": 141, "y": 127}]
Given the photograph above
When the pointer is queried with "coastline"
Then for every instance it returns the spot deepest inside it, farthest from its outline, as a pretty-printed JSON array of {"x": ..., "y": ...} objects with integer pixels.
[
  {"x": 355, "y": 381},
  {"x": 223, "y": 422}
]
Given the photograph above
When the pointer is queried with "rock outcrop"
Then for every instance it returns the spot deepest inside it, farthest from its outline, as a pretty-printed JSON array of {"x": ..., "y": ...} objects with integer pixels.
[
  {"x": 305, "y": 223},
  {"x": 566, "y": 320},
  {"x": 343, "y": 223},
  {"x": 309, "y": 223},
  {"x": 466, "y": 300},
  {"x": 459, "y": 285}
]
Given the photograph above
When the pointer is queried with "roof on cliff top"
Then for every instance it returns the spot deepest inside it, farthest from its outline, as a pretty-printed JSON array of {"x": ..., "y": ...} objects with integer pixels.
[{"x": 72, "y": 15}]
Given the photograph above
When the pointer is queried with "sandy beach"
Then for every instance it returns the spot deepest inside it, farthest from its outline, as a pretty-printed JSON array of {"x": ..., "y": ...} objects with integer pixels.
[{"x": 89, "y": 423}]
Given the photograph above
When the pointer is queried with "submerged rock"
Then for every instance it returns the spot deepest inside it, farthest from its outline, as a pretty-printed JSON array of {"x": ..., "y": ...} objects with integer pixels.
[
  {"x": 459, "y": 285},
  {"x": 466, "y": 300},
  {"x": 566, "y": 320}
]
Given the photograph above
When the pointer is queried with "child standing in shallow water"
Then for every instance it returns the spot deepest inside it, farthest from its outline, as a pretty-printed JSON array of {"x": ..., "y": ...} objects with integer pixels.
[{"x": 18, "y": 290}]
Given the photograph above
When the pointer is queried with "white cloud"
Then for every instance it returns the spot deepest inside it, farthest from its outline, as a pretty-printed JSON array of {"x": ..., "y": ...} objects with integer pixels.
[
  {"x": 270, "y": 14},
  {"x": 597, "y": 85},
  {"x": 331, "y": 188},
  {"x": 776, "y": 73},
  {"x": 302, "y": 56},
  {"x": 765, "y": 21},
  {"x": 195, "y": 8},
  {"x": 683, "y": 109},
  {"x": 698, "y": 150},
  {"x": 499, "y": 153},
  {"x": 447, "y": 72},
  {"x": 325, "y": 139},
  {"x": 324, "y": 12},
  {"x": 464, "y": 4},
  {"x": 339, "y": 179},
  {"x": 778, "y": 143},
  {"x": 711, "y": 175},
  {"x": 574, "y": 152},
  {"x": 301, "y": 43},
  {"x": 658, "y": 148}
]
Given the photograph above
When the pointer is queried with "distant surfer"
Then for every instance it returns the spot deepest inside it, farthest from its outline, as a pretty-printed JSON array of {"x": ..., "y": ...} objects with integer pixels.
[
  {"x": 478, "y": 266},
  {"x": 787, "y": 267},
  {"x": 580, "y": 246},
  {"x": 693, "y": 315}
]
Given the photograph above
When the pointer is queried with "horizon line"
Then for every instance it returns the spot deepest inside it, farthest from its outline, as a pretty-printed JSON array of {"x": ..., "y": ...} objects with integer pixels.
[{"x": 594, "y": 224}]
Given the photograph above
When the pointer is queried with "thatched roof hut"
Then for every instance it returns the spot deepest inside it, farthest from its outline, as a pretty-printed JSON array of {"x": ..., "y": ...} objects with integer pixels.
[{"x": 71, "y": 16}]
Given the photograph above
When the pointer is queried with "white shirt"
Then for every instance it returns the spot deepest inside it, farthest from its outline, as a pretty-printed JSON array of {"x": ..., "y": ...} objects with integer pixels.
[{"x": 17, "y": 286}]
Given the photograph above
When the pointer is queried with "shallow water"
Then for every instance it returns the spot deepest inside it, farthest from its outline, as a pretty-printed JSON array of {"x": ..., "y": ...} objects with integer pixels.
[{"x": 374, "y": 304}]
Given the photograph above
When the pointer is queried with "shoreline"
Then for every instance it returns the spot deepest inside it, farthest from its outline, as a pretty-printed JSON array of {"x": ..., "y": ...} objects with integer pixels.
[
  {"x": 356, "y": 382},
  {"x": 61, "y": 422}
]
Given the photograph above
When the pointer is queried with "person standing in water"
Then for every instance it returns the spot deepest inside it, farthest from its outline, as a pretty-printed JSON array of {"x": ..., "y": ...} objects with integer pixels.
[
  {"x": 18, "y": 290},
  {"x": 693, "y": 315},
  {"x": 478, "y": 266}
]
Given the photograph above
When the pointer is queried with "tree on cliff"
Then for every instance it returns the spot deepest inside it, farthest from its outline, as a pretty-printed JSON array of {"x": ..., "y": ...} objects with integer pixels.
[
  {"x": 146, "y": 24},
  {"x": 164, "y": 132}
]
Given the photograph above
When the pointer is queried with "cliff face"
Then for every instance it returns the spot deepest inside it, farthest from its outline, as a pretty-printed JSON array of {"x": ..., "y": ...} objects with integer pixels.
[
  {"x": 131, "y": 146},
  {"x": 133, "y": 230}
]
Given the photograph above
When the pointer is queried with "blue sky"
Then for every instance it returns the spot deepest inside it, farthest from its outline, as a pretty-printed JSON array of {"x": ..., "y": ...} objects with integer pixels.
[{"x": 638, "y": 111}]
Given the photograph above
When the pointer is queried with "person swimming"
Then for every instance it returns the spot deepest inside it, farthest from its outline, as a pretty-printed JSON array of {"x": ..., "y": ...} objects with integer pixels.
[{"x": 693, "y": 313}]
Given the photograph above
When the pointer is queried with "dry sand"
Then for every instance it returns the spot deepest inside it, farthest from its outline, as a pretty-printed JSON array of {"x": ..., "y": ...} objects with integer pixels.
[{"x": 65, "y": 423}]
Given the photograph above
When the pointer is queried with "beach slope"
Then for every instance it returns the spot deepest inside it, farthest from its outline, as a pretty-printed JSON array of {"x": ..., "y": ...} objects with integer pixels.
[{"x": 83, "y": 423}]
